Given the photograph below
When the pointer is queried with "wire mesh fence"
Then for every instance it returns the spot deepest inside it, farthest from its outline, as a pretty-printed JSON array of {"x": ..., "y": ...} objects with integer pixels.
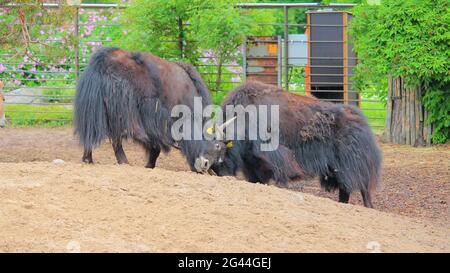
[{"x": 40, "y": 92}]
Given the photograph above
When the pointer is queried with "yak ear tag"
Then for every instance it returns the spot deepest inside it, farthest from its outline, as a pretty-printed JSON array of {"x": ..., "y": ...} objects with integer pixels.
[
  {"x": 210, "y": 130},
  {"x": 230, "y": 144}
]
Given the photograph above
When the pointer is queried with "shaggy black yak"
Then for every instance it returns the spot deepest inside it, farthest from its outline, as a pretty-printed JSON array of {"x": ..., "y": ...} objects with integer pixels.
[
  {"x": 130, "y": 95},
  {"x": 316, "y": 138}
]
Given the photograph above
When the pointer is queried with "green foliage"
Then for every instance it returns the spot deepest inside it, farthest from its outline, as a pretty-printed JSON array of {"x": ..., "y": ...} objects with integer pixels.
[
  {"x": 437, "y": 101},
  {"x": 157, "y": 26},
  {"x": 186, "y": 29},
  {"x": 297, "y": 15},
  {"x": 409, "y": 39},
  {"x": 222, "y": 29}
]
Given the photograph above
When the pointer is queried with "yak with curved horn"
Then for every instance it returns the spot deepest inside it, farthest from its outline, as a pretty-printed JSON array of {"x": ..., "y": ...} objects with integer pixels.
[
  {"x": 331, "y": 141},
  {"x": 130, "y": 95}
]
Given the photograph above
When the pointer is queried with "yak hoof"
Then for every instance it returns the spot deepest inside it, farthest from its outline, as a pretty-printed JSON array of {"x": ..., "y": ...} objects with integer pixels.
[{"x": 87, "y": 161}]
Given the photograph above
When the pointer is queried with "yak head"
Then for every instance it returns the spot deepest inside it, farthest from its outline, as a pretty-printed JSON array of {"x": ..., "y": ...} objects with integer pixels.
[{"x": 210, "y": 152}]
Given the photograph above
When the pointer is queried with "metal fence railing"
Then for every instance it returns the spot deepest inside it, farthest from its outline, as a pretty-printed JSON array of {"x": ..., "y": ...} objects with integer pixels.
[{"x": 42, "y": 94}]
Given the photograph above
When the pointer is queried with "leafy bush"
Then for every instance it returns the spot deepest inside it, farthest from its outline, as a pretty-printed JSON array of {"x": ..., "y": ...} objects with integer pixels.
[
  {"x": 410, "y": 39},
  {"x": 189, "y": 29}
]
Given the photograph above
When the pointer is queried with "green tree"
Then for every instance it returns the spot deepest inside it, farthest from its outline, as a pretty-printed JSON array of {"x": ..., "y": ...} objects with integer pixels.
[
  {"x": 185, "y": 29},
  {"x": 160, "y": 27},
  {"x": 410, "y": 40},
  {"x": 222, "y": 29}
]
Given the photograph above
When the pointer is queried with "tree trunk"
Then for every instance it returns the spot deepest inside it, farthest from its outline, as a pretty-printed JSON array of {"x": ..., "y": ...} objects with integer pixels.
[
  {"x": 180, "y": 37},
  {"x": 219, "y": 75},
  {"x": 406, "y": 116}
]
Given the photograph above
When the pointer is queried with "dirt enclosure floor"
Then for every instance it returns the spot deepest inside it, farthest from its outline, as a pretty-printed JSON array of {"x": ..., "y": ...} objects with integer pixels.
[{"x": 72, "y": 207}]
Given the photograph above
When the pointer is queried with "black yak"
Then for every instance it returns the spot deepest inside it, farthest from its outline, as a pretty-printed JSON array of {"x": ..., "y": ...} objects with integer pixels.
[
  {"x": 129, "y": 95},
  {"x": 331, "y": 141}
]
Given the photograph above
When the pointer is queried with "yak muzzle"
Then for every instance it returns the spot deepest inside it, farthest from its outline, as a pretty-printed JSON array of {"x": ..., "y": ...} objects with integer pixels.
[{"x": 202, "y": 164}]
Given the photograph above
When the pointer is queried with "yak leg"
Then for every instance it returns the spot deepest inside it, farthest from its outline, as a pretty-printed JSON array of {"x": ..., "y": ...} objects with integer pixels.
[
  {"x": 344, "y": 196},
  {"x": 250, "y": 174},
  {"x": 87, "y": 157},
  {"x": 367, "y": 199},
  {"x": 153, "y": 154},
  {"x": 119, "y": 152}
]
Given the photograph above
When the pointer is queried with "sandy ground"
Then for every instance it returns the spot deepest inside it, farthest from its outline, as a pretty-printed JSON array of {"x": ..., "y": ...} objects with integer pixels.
[{"x": 106, "y": 207}]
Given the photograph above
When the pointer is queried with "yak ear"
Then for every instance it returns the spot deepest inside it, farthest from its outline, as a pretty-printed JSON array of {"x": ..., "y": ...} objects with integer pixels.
[{"x": 229, "y": 144}]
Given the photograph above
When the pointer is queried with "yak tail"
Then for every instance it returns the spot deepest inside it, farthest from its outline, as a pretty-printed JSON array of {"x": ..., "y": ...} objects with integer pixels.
[
  {"x": 90, "y": 119},
  {"x": 199, "y": 84}
]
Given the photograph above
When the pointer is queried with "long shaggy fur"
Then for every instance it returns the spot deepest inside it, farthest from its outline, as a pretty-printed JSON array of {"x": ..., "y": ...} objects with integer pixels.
[
  {"x": 130, "y": 95},
  {"x": 111, "y": 103},
  {"x": 328, "y": 140}
]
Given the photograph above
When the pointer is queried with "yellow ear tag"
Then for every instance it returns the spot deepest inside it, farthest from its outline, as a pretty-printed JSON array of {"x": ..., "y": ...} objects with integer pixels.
[
  {"x": 230, "y": 144},
  {"x": 210, "y": 130}
]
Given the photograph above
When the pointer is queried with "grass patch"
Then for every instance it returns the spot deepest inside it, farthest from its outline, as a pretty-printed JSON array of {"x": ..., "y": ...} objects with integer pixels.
[
  {"x": 376, "y": 114},
  {"x": 38, "y": 115}
]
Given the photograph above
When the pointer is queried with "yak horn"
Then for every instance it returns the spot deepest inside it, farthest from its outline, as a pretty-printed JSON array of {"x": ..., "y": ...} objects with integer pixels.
[
  {"x": 220, "y": 128},
  {"x": 211, "y": 172}
]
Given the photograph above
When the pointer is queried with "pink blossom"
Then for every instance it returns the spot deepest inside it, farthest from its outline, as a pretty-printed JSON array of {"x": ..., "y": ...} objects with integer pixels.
[
  {"x": 33, "y": 69},
  {"x": 90, "y": 27},
  {"x": 17, "y": 82},
  {"x": 2, "y": 68},
  {"x": 236, "y": 79},
  {"x": 42, "y": 32}
]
